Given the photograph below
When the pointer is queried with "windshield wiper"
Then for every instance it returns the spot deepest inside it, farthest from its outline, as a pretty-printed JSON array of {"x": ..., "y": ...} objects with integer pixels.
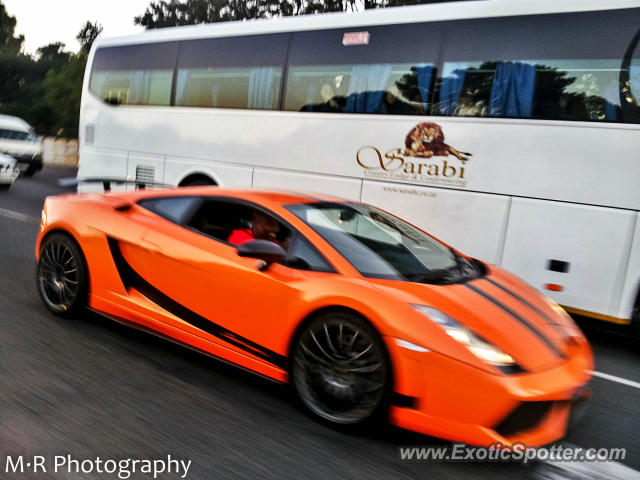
[
  {"x": 432, "y": 276},
  {"x": 463, "y": 270},
  {"x": 468, "y": 269}
]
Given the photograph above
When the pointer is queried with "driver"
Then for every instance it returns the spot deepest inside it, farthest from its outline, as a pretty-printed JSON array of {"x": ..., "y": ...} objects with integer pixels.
[{"x": 263, "y": 227}]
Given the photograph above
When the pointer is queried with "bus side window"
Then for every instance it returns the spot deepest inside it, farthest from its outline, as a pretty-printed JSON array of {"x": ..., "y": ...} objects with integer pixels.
[
  {"x": 236, "y": 72},
  {"x": 391, "y": 72},
  {"x": 134, "y": 74},
  {"x": 568, "y": 73}
]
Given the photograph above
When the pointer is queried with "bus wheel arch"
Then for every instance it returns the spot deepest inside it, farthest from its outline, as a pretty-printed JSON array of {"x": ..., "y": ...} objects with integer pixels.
[{"x": 197, "y": 179}]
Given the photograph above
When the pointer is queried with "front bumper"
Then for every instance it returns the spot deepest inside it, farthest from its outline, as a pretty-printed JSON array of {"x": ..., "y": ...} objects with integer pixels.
[
  {"x": 456, "y": 401},
  {"x": 8, "y": 175},
  {"x": 27, "y": 161}
]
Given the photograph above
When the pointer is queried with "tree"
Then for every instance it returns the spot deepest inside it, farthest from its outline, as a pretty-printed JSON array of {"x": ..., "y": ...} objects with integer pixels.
[
  {"x": 87, "y": 35},
  {"x": 173, "y": 13},
  {"x": 46, "y": 92},
  {"x": 9, "y": 44},
  {"x": 62, "y": 88},
  {"x": 52, "y": 55}
]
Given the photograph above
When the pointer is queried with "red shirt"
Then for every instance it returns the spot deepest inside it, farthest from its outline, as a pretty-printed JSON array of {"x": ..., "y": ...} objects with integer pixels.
[{"x": 240, "y": 236}]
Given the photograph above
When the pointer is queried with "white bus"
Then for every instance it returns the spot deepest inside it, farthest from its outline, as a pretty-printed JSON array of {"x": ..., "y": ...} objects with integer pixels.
[{"x": 510, "y": 129}]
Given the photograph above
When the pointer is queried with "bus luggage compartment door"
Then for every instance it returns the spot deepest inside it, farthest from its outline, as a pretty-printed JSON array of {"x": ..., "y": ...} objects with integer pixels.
[{"x": 579, "y": 251}]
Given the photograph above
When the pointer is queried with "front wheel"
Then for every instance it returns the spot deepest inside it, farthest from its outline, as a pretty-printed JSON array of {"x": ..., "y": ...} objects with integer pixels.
[
  {"x": 62, "y": 275},
  {"x": 340, "y": 369}
]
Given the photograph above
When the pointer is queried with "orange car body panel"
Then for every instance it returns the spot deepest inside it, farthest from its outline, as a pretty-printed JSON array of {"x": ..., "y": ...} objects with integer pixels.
[{"x": 254, "y": 315}]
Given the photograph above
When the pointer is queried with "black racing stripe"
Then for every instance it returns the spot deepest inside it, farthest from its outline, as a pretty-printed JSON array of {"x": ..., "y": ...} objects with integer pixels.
[
  {"x": 131, "y": 279},
  {"x": 544, "y": 315},
  {"x": 533, "y": 329}
]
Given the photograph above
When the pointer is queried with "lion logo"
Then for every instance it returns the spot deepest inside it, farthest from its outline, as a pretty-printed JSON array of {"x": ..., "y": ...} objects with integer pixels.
[{"x": 427, "y": 140}]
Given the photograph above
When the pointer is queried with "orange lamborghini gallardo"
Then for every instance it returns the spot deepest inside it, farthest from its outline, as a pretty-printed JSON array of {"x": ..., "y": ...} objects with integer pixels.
[{"x": 365, "y": 314}]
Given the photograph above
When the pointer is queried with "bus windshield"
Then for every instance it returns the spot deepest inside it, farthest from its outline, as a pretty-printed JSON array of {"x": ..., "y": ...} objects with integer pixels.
[{"x": 379, "y": 245}]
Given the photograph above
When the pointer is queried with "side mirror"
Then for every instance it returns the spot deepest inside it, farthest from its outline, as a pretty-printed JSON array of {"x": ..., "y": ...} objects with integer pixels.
[{"x": 265, "y": 250}]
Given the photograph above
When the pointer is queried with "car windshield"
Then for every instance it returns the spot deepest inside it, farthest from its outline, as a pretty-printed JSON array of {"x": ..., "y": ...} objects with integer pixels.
[
  {"x": 380, "y": 245},
  {"x": 17, "y": 135}
]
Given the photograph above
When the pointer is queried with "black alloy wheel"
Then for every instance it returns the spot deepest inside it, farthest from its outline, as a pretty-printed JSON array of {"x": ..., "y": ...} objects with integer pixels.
[
  {"x": 62, "y": 275},
  {"x": 340, "y": 369}
]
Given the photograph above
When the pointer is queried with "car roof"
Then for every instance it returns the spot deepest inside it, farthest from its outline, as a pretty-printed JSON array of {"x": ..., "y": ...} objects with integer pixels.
[
  {"x": 260, "y": 196},
  {"x": 15, "y": 123}
]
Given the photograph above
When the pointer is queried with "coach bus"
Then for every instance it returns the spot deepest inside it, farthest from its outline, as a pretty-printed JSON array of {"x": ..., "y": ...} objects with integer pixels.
[{"x": 510, "y": 129}]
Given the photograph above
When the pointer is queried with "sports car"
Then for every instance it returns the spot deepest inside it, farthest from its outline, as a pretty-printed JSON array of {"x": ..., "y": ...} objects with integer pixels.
[{"x": 366, "y": 315}]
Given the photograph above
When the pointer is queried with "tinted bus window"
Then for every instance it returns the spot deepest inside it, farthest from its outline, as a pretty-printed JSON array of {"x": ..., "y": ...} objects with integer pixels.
[
  {"x": 554, "y": 67},
  {"x": 387, "y": 70},
  {"x": 630, "y": 98},
  {"x": 135, "y": 74},
  {"x": 234, "y": 72}
]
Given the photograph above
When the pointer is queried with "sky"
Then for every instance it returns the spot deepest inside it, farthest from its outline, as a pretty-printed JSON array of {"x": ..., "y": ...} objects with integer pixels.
[{"x": 47, "y": 21}]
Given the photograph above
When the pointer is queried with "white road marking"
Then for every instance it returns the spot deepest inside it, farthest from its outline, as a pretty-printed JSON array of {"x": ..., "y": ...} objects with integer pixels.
[
  {"x": 585, "y": 471},
  {"x": 21, "y": 217},
  {"x": 613, "y": 378}
]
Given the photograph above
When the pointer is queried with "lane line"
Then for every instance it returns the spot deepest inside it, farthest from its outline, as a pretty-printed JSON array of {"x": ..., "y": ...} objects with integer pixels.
[
  {"x": 585, "y": 469},
  {"x": 613, "y": 378},
  {"x": 21, "y": 217}
]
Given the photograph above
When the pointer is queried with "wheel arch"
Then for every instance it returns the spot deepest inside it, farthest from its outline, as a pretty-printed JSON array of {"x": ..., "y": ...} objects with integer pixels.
[
  {"x": 196, "y": 177},
  {"x": 199, "y": 172},
  {"x": 320, "y": 311},
  {"x": 63, "y": 231}
]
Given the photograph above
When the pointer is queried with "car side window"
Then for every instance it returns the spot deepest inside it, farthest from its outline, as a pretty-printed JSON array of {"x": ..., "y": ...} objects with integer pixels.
[
  {"x": 236, "y": 223},
  {"x": 175, "y": 209},
  {"x": 219, "y": 218},
  {"x": 303, "y": 256}
]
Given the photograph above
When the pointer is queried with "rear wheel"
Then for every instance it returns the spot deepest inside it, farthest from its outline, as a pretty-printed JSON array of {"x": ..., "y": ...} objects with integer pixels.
[
  {"x": 340, "y": 369},
  {"x": 62, "y": 275}
]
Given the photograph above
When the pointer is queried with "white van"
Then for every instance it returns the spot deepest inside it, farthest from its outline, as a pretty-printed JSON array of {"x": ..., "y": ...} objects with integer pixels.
[{"x": 18, "y": 141}]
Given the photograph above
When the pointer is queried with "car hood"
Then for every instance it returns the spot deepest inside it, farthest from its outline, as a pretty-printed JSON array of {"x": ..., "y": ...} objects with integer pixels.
[{"x": 500, "y": 308}]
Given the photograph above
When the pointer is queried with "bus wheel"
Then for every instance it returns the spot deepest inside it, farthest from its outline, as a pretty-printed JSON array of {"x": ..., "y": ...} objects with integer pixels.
[
  {"x": 635, "y": 318},
  {"x": 196, "y": 180}
]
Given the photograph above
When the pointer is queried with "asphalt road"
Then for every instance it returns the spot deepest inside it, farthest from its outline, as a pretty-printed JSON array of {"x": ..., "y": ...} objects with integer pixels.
[{"x": 91, "y": 388}]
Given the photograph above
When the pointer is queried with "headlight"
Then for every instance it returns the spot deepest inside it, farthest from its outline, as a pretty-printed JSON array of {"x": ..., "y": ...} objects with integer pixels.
[{"x": 478, "y": 346}]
